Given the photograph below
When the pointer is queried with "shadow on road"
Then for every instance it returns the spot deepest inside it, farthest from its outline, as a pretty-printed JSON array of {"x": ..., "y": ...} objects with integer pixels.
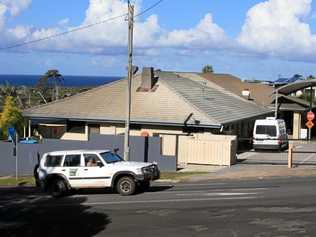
[
  {"x": 97, "y": 191},
  {"x": 24, "y": 212},
  {"x": 153, "y": 189}
]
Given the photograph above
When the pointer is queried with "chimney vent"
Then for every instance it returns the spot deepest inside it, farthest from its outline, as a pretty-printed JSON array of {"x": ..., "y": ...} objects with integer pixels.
[
  {"x": 246, "y": 93},
  {"x": 148, "y": 79}
]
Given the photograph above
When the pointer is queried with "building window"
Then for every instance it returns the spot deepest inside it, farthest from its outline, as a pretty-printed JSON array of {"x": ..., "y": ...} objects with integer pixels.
[
  {"x": 94, "y": 129},
  {"x": 75, "y": 127}
]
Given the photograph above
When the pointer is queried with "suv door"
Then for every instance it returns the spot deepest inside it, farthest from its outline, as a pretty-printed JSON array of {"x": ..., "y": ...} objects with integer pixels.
[
  {"x": 95, "y": 172},
  {"x": 72, "y": 167}
]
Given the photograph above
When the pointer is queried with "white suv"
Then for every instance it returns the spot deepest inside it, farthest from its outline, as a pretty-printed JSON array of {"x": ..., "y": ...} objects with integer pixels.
[{"x": 61, "y": 171}]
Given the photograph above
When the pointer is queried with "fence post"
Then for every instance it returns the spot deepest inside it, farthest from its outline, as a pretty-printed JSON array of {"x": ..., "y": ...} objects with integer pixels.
[{"x": 290, "y": 156}]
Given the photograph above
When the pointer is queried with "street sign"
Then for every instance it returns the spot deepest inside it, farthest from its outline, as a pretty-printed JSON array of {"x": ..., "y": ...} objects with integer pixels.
[
  {"x": 309, "y": 124},
  {"x": 310, "y": 116},
  {"x": 12, "y": 134}
]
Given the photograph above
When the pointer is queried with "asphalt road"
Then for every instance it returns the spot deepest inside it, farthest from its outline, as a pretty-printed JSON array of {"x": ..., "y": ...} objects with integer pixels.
[{"x": 284, "y": 207}]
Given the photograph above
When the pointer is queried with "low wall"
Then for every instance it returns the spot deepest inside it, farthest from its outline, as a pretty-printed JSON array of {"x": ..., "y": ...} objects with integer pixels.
[{"x": 141, "y": 149}]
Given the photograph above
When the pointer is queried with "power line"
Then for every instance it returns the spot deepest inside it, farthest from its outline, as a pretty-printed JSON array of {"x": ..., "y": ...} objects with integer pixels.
[
  {"x": 62, "y": 33},
  {"x": 78, "y": 28},
  {"x": 149, "y": 8}
]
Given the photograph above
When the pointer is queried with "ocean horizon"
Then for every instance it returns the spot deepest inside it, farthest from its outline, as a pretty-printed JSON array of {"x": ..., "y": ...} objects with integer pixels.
[{"x": 69, "y": 80}]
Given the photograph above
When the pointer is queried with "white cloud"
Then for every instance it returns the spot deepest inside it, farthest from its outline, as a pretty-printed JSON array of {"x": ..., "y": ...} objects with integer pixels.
[
  {"x": 279, "y": 28},
  {"x": 63, "y": 22},
  {"x": 206, "y": 35},
  {"x": 111, "y": 37},
  {"x": 15, "y": 7},
  {"x": 3, "y": 10},
  {"x": 11, "y": 8}
]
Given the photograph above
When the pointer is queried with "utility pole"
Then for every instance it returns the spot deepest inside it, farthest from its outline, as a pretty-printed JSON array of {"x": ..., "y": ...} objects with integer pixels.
[
  {"x": 311, "y": 110},
  {"x": 129, "y": 79},
  {"x": 276, "y": 102}
]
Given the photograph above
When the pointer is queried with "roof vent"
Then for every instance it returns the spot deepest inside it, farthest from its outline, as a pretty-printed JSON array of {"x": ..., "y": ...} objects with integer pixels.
[
  {"x": 149, "y": 79},
  {"x": 246, "y": 94}
]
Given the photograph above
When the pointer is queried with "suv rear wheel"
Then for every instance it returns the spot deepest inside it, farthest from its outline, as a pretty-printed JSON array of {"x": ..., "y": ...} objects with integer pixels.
[
  {"x": 58, "y": 188},
  {"x": 126, "y": 186}
]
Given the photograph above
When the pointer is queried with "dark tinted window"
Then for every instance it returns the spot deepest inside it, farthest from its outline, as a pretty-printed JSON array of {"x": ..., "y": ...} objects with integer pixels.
[
  {"x": 75, "y": 127},
  {"x": 53, "y": 161},
  {"x": 72, "y": 160},
  {"x": 267, "y": 130},
  {"x": 109, "y": 157}
]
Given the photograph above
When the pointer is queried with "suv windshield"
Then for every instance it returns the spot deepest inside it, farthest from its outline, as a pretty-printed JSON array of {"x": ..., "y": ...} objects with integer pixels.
[{"x": 109, "y": 157}]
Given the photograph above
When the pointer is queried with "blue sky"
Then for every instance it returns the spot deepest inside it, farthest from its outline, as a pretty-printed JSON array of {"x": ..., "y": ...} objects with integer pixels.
[{"x": 251, "y": 39}]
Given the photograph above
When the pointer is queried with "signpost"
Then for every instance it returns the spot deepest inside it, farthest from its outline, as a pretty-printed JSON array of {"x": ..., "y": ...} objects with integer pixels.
[
  {"x": 309, "y": 124},
  {"x": 13, "y": 136},
  {"x": 310, "y": 117}
]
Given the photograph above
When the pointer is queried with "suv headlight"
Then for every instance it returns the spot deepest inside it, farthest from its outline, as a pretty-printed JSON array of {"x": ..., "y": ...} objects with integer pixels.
[{"x": 146, "y": 170}]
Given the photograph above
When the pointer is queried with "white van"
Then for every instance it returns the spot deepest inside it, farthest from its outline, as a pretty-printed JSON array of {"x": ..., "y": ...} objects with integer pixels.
[{"x": 270, "y": 133}]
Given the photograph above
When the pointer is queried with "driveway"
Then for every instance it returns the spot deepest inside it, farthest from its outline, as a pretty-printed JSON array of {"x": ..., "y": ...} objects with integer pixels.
[{"x": 304, "y": 154}]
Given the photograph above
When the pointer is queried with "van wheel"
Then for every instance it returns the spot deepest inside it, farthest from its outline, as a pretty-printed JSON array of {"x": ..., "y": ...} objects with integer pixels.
[
  {"x": 58, "y": 188},
  {"x": 126, "y": 186}
]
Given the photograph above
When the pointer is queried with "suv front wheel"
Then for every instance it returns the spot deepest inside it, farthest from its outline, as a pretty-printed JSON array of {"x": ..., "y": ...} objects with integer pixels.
[{"x": 126, "y": 186}]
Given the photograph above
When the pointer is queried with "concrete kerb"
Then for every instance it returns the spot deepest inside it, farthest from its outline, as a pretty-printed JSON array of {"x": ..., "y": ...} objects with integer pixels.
[{"x": 247, "y": 172}]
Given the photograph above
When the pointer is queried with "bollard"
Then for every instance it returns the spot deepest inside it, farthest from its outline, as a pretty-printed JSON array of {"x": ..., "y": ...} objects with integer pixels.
[{"x": 290, "y": 156}]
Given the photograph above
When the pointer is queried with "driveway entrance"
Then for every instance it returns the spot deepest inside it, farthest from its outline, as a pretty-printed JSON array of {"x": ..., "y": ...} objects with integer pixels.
[{"x": 304, "y": 153}]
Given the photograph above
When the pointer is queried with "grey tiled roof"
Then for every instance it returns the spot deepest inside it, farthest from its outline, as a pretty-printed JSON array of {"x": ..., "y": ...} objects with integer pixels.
[
  {"x": 108, "y": 103},
  {"x": 172, "y": 102},
  {"x": 222, "y": 107}
]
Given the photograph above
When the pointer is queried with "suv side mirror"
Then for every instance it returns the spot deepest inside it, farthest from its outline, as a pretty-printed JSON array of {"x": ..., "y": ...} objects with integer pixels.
[{"x": 100, "y": 164}]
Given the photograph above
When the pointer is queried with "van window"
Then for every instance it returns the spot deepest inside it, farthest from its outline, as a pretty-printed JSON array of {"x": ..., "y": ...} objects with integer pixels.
[
  {"x": 53, "y": 161},
  {"x": 267, "y": 130}
]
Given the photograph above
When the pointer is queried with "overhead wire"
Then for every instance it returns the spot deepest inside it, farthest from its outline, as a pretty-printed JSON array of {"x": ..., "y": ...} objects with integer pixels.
[{"x": 24, "y": 43}]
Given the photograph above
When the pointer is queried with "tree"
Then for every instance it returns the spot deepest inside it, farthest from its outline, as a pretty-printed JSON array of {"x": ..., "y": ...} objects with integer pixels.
[
  {"x": 310, "y": 77},
  {"x": 207, "y": 69},
  {"x": 50, "y": 81},
  {"x": 9, "y": 90},
  {"x": 11, "y": 116}
]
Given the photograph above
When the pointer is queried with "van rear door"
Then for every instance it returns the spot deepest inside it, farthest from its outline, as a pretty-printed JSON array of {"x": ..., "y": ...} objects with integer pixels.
[{"x": 266, "y": 134}]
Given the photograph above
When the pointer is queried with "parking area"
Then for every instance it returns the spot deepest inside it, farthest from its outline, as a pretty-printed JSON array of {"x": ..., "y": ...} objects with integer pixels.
[{"x": 304, "y": 153}]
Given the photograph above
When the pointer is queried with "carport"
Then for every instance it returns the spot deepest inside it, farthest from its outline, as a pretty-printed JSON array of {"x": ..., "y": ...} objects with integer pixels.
[{"x": 297, "y": 107}]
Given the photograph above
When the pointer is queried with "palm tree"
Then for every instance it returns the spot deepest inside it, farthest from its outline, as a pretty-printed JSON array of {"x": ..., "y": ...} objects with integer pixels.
[{"x": 51, "y": 80}]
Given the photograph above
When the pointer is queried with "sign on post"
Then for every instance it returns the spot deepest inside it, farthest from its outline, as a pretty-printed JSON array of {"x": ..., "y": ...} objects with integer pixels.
[
  {"x": 12, "y": 134},
  {"x": 310, "y": 116},
  {"x": 309, "y": 124}
]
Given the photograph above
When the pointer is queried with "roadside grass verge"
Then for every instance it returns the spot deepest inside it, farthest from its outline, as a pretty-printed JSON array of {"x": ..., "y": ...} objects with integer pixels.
[
  {"x": 29, "y": 180},
  {"x": 179, "y": 175},
  {"x": 22, "y": 181}
]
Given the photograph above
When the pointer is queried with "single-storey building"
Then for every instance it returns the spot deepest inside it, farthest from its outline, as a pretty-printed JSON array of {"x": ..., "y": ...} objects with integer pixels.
[{"x": 166, "y": 104}]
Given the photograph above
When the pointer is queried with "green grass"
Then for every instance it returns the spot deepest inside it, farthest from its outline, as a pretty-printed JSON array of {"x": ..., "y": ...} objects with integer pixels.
[
  {"x": 11, "y": 181},
  {"x": 22, "y": 181},
  {"x": 179, "y": 175}
]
